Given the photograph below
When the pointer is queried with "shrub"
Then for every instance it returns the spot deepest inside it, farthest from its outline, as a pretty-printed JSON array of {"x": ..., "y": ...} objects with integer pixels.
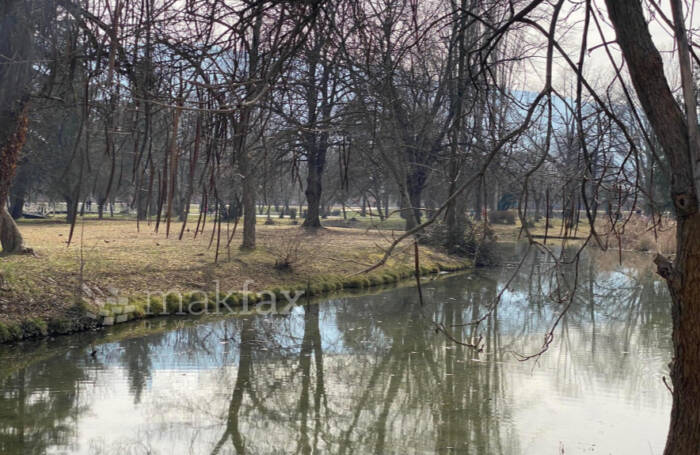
[
  {"x": 288, "y": 250},
  {"x": 34, "y": 327},
  {"x": 474, "y": 242},
  {"x": 502, "y": 217},
  {"x": 155, "y": 304},
  {"x": 293, "y": 213},
  {"x": 60, "y": 326},
  {"x": 4, "y": 333},
  {"x": 10, "y": 332},
  {"x": 336, "y": 212},
  {"x": 175, "y": 303}
]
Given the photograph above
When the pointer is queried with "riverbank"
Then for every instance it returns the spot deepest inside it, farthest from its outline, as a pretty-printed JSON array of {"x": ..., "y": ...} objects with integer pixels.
[{"x": 112, "y": 273}]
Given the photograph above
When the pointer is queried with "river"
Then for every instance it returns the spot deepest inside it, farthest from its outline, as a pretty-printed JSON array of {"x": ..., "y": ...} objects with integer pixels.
[{"x": 366, "y": 373}]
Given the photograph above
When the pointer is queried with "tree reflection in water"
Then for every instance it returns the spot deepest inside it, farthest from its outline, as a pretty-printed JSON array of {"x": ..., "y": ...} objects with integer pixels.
[
  {"x": 364, "y": 374},
  {"x": 41, "y": 402}
]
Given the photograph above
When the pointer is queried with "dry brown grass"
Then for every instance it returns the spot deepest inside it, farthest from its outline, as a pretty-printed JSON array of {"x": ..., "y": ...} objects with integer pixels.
[
  {"x": 638, "y": 233},
  {"x": 112, "y": 254}
]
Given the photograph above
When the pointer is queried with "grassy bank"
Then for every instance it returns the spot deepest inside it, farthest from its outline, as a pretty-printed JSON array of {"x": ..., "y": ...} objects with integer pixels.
[
  {"x": 112, "y": 273},
  {"x": 631, "y": 233}
]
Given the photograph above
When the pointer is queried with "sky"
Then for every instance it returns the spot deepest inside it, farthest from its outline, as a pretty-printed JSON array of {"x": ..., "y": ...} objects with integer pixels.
[{"x": 599, "y": 70}]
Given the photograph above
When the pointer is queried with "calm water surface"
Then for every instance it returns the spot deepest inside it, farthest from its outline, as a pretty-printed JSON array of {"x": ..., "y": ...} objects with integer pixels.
[{"x": 363, "y": 374}]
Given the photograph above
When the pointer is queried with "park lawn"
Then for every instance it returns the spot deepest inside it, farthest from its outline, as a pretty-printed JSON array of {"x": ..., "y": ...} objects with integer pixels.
[
  {"x": 113, "y": 256},
  {"x": 512, "y": 232},
  {"x": 637, "y": 233}
]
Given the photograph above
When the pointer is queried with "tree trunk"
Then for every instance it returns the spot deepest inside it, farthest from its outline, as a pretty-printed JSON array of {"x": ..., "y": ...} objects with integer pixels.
[
  {"x": 17, "y": 206},
  {"x": 386, "y": 204},
  {"x": 71, "y": 210},
  {"x": 493, "y": 197},
  {"x": 538, "y": 204},
  {"x": 249, "y": 214},
  {"x": 20, "y": 189},
  {"x": 10, "y": 237},
  {"x": 10, "y": 148},
  {"x": 684, "y": 282},
  {"x": 414, "y": 187},
  {"x": 16, "y": 46},
  {"x": 379, "y": 208},
  {"x": 316, "y": 163},
  {"x": 683, "y": 276},
  {"x": 456, "y": 221},
  {"x": 478, "y": 202}
]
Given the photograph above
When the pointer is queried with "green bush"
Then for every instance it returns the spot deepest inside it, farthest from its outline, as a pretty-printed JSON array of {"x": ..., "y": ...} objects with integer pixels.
[
  {"x": 156, "y": 305},
  {"x": 174, "y": 303},
  {"x": 10, "y": 332},
  {"x": 5, "y": 335}
]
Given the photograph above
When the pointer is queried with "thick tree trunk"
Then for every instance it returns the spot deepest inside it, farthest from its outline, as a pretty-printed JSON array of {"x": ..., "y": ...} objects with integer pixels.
[
  {"x": 10, "y": 148},
  {"x": 20, "y": 189},
  {"x": 10, "y": 237},
  {"x": 684, "y": 282},
  {"x": 683, "y": 276},
  {"x": 17, "y": 206},
  {"x": 142, "y": 195},
  {"x": 316, "y": 163},
  {"x": 457, "y": 223},
  {"x": 414, "y": 187},
  {"x": 16, "y": 45}
]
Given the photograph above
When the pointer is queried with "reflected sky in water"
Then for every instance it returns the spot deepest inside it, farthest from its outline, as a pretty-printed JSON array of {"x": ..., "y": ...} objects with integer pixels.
[{"x": 364, "y": 374}]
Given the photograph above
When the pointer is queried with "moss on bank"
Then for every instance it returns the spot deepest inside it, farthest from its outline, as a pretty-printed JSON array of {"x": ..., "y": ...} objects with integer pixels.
[{"x": 83, "y": 317}]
